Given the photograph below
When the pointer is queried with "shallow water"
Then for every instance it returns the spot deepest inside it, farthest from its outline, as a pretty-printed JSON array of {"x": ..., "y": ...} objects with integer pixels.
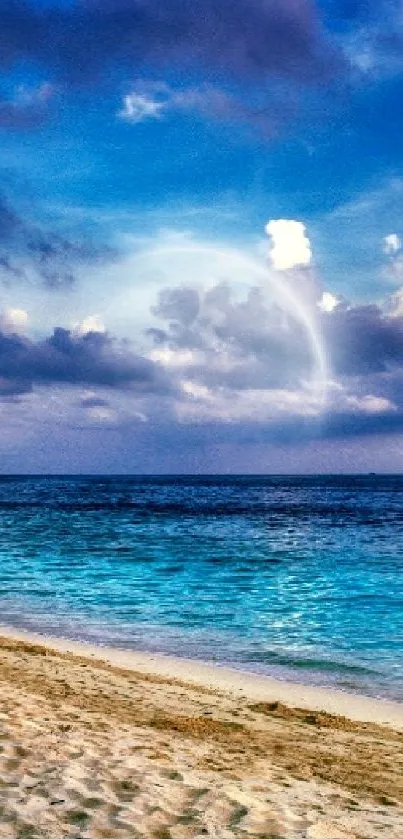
[{"x": 298, "y": 577}]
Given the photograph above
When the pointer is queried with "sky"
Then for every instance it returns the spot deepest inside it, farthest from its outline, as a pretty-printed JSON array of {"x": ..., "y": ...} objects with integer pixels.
[{"x": 201, "y": 236}]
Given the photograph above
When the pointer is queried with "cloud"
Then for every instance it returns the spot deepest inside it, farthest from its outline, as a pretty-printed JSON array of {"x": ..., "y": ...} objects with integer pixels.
[
  {"x": 265, "y": 53},
  {"x": 28, "y": 108},
  {"x": 290, "y": 246},
  {"x": 363, "y": 340},
  {"x": 396, "y": 304},
  {"x": 391, "y": 244},
  {"x": 13, "y": 320},
  {"x": 102, "y": 415},
  {"x": 328, "y": 302},
  {"x": 248, "y": 362},
  {"x": 263, "y": 110},
  {"x": 374, "y": 40},
  {"x": 139, "y": 107},
  {"x": 216, "y": 344},
  {"x": 392, "y": 247},
  {"x": 92, "y": 323},
  {"x": 27, "y": 247},
  {"x": 80, "y": 41},
  {"x": 280, "y": 417},
  {"x": 227, "y": 360},
  {"x": 179, "y": 305},
  {"x": 64, "y": 358}
]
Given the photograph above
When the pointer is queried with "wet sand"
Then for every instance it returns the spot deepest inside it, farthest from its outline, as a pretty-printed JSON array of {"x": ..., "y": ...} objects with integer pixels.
[{"x": 98, "y": 743}]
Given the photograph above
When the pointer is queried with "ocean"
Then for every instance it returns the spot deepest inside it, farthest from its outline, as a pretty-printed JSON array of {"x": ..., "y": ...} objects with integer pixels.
[{"x": 297, "y": 577}]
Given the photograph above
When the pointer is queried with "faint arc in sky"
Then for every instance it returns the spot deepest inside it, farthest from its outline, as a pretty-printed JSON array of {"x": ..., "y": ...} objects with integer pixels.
[{"x": 292, "y": 300}]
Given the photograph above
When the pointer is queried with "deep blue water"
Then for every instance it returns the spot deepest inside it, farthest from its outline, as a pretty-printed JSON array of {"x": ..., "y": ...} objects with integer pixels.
[{"x": 298, "y": 577}]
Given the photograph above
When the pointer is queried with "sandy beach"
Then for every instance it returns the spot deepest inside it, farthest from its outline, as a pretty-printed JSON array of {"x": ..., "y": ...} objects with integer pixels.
[{"x": 104, "y": 743}]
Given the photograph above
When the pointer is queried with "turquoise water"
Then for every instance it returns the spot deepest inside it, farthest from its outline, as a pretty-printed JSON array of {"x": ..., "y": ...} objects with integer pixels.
[{"x": 297, "y": 577}]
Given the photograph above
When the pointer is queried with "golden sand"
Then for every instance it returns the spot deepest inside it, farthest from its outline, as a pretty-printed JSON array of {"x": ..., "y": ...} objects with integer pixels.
[{"x": 92, "y": 750}]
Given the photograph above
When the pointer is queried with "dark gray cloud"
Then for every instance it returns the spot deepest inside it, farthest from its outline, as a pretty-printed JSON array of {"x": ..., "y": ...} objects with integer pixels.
[
  {"x": 256, "y": 38},
  {"x": 53, "y": 257},
  {"x": 363, "y": 340},
  {"x": 64, "y": 358}
]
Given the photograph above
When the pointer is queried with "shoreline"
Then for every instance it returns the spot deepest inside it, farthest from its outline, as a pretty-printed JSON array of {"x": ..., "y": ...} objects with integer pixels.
[{"x": 240, "y": 683}]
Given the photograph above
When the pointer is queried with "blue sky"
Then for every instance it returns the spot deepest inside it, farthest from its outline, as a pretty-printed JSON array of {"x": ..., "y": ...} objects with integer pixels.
[{"x": 152, "y": 319}]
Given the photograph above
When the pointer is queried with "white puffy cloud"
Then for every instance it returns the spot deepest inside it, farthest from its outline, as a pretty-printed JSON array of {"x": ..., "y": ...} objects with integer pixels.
[
  {"x": 91, "y": 323},
  {"x": 290, "y": 246},
  {"x": 328, "y": 302},
  {"x": 391, "y": 244},
  {"x": 14, "y": 320}
]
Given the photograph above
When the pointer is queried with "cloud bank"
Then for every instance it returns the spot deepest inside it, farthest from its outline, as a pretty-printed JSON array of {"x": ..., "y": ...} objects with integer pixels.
[
  {"x": 90, "y": 359},
  {"x": 79, "y": 41},
  {"x": 225, "y": 360}
]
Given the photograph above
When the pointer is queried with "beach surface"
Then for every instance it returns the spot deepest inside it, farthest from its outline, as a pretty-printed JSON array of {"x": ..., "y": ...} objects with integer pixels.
[{"x": 98, "y": 743}]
